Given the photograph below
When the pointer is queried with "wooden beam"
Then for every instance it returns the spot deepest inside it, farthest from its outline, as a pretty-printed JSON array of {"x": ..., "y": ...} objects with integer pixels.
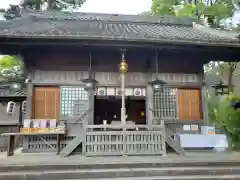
[{"x": 118, "y": 44}]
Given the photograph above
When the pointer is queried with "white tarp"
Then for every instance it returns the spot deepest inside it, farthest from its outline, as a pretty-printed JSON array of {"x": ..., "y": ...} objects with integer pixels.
[{"x": 203, "y": 141}]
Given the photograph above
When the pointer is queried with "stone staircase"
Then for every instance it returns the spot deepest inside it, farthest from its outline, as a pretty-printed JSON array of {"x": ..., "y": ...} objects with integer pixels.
[
  {"x": 129, "y": 171},
  {"x": 174, "y": 143},
  {"x": 72, "y": 145},
  {"x": 77, "y": 140}
]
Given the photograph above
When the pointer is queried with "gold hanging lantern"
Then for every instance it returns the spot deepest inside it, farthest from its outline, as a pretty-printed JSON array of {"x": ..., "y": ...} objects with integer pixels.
[{"x": 123, "y": 67}]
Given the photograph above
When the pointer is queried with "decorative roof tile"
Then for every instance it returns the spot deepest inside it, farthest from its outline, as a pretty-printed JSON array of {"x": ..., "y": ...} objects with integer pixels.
[
  {"x": 8, "y": 93},
  {"x": 67, "y": 25}
]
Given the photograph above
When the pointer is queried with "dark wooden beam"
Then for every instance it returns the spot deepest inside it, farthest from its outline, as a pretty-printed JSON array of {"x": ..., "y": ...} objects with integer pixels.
[{"x": 197, "y": 52}]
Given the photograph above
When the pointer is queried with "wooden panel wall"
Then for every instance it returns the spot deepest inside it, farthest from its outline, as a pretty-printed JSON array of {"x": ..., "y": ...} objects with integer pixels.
[
  {"x": 46, "y": 103},
  {"x": 189, "y": 104},
  {"x": 112, "y": 78},
  {"x": 107, "y": 59}
]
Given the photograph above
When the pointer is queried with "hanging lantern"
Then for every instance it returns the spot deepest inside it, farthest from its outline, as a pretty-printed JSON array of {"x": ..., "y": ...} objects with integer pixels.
[
  {"x": 221, "y": 89},
  {"x": 90, "y": 83},
  {"x": 236, "y": 105},
  {"x": 157, "y": 85}
]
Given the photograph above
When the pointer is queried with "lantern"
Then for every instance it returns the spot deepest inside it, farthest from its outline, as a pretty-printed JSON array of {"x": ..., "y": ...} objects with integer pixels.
[
  {"x": 236, "y": 104},
  {"x": 221, "y": 89},
  {"x": 89, "y": 83},
  {"x": 157, "y": 85}
]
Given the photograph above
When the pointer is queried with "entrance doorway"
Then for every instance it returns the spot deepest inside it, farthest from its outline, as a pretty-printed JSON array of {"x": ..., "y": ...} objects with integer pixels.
[
  {"x": 46, "y": 103},
  {"x": 109, "y": 108}
]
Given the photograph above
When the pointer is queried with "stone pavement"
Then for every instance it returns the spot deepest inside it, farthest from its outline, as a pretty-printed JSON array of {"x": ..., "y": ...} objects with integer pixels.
[
  {"x": 49, "y": 166},
  {"x": 53, "y": 159}
]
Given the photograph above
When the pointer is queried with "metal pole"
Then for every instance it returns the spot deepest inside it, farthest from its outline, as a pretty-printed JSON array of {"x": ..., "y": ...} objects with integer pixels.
[{"x": 123, "y": 109}]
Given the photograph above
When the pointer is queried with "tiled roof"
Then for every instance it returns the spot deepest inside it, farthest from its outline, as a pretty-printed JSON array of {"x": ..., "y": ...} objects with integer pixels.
[
  {"x": 5, "y": 91},
  {"x": 65, "y": 25}
]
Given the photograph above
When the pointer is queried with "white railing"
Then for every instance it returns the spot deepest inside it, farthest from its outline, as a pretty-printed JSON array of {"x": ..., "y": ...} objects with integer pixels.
[{"x": 125, "y": 140}]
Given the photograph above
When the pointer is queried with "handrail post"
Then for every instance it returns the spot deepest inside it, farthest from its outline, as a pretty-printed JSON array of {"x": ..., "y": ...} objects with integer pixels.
[
  {"x": 163, "y": 139},
  {"x": 124, "y": 140},
  {"x": 85, "y": 130}
]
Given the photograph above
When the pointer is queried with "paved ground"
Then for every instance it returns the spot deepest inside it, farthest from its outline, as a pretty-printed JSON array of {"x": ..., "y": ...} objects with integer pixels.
[{"x": 53, "y": 159}]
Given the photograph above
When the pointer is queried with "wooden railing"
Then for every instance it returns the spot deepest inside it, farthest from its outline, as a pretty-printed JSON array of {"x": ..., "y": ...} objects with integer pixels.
[{"x": 125, "y": 140}]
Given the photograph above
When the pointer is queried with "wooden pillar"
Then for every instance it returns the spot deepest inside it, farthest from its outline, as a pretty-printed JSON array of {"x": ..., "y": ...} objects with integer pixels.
[
  {"x": 11, "y": 140},
  {"x": 204, "y": 104},
  {"x": 89, "y": 120},
  {"x": 149, "y": 105},
  {"x": 29, "y": 97},
  {"x": 91, "y": 107},
  {"x": 204, "y": 98},
  {"x": 28, "y": 114}
]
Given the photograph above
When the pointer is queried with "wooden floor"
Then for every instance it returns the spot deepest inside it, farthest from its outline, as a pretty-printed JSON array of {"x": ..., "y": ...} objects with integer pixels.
[{"x": 52, "y": 159}]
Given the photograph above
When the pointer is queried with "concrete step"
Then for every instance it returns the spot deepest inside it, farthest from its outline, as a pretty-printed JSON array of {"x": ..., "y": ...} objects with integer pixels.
[
  {"x": 176, "y": 172},
  {"x": 197, "y": 177},
  {"x": 227, "y": 177},
  {"x": 119, "y": 165}
]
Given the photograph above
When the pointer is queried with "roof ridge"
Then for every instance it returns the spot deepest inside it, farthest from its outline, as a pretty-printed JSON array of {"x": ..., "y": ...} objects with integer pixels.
[
  {"x": 116, "y": 18},
  {"x": 96, "y": 26}
]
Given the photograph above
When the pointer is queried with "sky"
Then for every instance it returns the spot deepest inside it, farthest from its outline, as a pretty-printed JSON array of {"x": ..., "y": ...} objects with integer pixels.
[
  {"x": 111, "y": 6},
  {"x": 104, "y": 6}
]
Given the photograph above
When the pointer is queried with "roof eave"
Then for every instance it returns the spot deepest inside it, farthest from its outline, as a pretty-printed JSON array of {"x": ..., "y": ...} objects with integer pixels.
[{"x": 233, "y": 43}]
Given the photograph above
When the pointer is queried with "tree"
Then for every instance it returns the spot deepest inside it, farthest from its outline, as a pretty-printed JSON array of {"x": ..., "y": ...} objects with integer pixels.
[
  {"x": 163, "y": 7},
  {"x": 12, "y": 71},
  {"x": 14, "y": 11},
  {"x": 225, "y": 117},
  {"x": 225, "y": 71},
  {"x": 52, "y": 4},
  {"x": 214, "y": 10}
]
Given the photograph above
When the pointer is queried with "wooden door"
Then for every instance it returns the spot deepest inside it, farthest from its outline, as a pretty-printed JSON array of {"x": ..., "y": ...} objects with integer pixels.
[
  {"x": 189, "y": 104},
  {"x": 46, "y": 103}
]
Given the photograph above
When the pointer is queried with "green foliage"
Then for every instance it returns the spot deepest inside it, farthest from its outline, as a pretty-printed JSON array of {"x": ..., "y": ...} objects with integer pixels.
[
  {"x": 225, "y": 117},
  {"x": 12, "y": 69},
  {"x": 187, "y": 10},
  {"x": 225, "y": 71},
  {"x": 162, "y": 7},
  {"x": 9, "y": 62},
  {"x": 214, "y": 9},
  {"x": 53, "y": 4}
]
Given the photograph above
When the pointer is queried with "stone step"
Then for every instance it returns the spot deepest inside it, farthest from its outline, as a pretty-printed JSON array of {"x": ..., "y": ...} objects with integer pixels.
[
  {"x": 197, "y": 177},
  {"x": 72, "y": 145},
  {"x": 178, "y": 172},
  {"x": 120, "y": 165}
]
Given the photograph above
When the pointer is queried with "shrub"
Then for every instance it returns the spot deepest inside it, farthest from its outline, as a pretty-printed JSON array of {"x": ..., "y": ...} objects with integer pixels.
[{"x": 225, "y": 117}]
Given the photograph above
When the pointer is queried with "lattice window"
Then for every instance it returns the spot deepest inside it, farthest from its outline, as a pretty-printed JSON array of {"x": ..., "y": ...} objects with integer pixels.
[
  {"x": 165, "y": 104},
  {"x": 73, "y": 101}
]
